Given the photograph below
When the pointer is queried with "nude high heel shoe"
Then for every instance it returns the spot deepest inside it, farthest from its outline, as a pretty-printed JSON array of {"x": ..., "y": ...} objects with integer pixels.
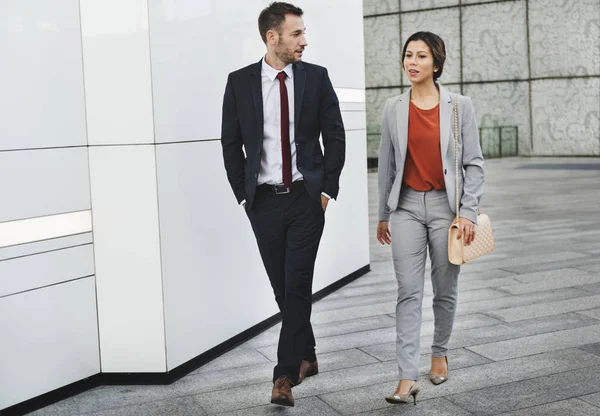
[
  {"x": 440, "y": 378},
  {"x": 398, "y": 398}
]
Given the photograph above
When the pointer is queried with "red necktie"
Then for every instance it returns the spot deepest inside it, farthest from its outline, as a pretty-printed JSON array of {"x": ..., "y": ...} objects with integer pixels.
[{"x": 286, "y": 153}]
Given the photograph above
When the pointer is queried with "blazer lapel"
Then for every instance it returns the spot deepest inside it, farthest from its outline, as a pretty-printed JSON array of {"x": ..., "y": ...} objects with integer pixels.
[
  {"x": 299, "y": 84},
  {"x": 446, "y": 120},
  {"x": 256, "y": 89},
  {"x": 402, "y": 120}
]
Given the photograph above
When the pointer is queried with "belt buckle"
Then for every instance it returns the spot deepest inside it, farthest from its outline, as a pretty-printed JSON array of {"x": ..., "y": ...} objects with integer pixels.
[{"x": 281, "y": 189}]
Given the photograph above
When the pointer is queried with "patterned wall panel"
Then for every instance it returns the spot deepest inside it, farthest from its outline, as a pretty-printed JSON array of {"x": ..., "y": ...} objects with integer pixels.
[
  {"x": 380, "y": 6},
  {"x": 496, "y": 49},
  {"x": 407, "y": 5},
  {"x": 564, "y": 37},
  {"x": 375, "y": 102},
  {"x": 382, "y": 55},
  {"x": 566, "y": 116},
  {"x": 503, "y": 104},
  {"x": 465, "y": 2},
  {"x": 443, "y": 22}
]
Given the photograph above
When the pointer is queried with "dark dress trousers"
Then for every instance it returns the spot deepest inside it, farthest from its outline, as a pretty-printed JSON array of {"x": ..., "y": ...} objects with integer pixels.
[{"x": 288, "y": 227}]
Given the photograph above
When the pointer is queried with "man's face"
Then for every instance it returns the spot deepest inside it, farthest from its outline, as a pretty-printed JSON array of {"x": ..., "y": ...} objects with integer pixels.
[{"x": 292, "y": 41}]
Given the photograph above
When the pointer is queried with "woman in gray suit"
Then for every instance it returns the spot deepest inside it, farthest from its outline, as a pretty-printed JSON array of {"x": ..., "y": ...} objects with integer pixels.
[{"x": 417, "y": 199}]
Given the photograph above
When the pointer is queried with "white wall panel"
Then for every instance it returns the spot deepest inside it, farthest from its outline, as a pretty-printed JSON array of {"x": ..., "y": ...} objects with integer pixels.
[
  {"x": 354, "y": 120},
  {"x": 116, "y": 56},
  {"x": 335, "y": 45},
  {"x": 195, "y": 46},
  {"x": 127, "y": 253},
  {"x": 45, "y": 245},
  {"x": 41, "y": 78},
  {"x": 49, "y": 340},
  {"x": 43, "y": 182},
  {"x": 211, "y": 265},
  {"x": 32, "y": 272},
  {"x": 345, "y": 243}
]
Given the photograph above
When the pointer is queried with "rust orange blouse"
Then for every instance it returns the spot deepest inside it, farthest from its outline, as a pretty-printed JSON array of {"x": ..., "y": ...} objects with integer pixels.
[{"x": 423, "y": 169}]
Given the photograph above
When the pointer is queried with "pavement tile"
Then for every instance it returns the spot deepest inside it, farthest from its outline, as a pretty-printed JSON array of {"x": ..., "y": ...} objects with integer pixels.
[
  {"x": 590, "y": 288},
  {"x": 329, "y": 329},
  {"x": 474, "y": 284},
  {"x": 569, "y": 407},
  {"x": 527, "y": 393},
  {"x": 459, "y": 358},
  {"x": 509, "y": 303},
  {"x": 261, "y": 373},
  {"x": 465, "y": 379},
  {"x": 465, "y": 337},
  {"x": 260, "y": 394},
  {"x": 594, "y": 399},
  {"x": 566, "y": 273},
  {"x": 550, "y": 284},
  {"x": 433, "y": 407},
  {"x": 342, "y": 342},
  {"x": 553, "y": 264},
  {"x": 536, "y": 344},
  {"x": 178, "y": 406},
  {"x": 309, "y": 406},
  {"x": 516, "y": 263},
  {"x": 538, "y": 310},
  {"x": 107, "y": 398},
  {"x": 592, "y": 313},
  {"x": 592, "y": 348},
  {"x": 238, "y": 357},
  {"x": 592, "y": 267}
]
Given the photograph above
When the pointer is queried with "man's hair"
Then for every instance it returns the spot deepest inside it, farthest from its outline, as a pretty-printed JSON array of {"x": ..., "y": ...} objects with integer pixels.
[
  {"x": 273, "y": 16},
  {"x": 437, "y": 47}
]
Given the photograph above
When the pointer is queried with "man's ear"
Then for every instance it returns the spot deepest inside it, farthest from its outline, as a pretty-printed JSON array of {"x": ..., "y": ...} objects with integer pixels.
[{"x": 272, "y": 37}]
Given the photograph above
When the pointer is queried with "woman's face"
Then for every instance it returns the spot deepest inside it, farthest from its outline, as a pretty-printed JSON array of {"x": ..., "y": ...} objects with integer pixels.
[{"x": 418, "y": 62}]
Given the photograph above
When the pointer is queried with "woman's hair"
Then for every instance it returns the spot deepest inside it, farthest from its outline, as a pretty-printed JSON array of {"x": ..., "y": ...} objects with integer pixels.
[{"x": 437, "y": 47}]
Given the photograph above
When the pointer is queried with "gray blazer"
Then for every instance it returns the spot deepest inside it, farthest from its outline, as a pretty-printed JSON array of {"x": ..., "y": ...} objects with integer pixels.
[{"x": 392, "y": 154}]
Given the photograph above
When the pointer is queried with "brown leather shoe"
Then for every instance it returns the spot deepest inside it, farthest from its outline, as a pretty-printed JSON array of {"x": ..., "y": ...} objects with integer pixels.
[
  {"x": 308, "y": 369},
  {"x": 282, "y": 392}
]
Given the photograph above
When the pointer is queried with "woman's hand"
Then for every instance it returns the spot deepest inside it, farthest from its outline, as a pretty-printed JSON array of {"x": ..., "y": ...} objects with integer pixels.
[
  {"x": 383, "y": 233},
  {"x": 466, "y": 228}
]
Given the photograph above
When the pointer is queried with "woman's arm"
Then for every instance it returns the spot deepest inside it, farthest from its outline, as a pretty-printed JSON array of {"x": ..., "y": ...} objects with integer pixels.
[
  {"x": 386, "y": 166},
  {"x": 472, "y": 163}
]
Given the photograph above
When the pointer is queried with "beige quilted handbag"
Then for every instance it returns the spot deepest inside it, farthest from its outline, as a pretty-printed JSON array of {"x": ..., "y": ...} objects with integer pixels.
[{"x": 484, "y": 236}]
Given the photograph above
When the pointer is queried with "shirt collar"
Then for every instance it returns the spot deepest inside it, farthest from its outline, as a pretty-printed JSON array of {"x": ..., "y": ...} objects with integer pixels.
[{"x": 271, "y": 72}]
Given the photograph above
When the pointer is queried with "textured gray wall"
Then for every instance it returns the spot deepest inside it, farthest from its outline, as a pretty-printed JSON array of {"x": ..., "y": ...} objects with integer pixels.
[{"x": 533, "y": 64}]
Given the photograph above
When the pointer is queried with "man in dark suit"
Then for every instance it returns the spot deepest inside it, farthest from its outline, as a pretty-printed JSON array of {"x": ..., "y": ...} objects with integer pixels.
[{"x": 275, "y": 110}]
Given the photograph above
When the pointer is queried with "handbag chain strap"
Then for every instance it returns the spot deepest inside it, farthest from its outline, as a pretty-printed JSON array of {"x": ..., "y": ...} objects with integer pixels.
[{"x": 456, "y": 151}]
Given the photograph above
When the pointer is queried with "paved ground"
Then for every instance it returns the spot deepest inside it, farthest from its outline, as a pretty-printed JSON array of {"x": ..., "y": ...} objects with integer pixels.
[{"x": 526, "y": 339}]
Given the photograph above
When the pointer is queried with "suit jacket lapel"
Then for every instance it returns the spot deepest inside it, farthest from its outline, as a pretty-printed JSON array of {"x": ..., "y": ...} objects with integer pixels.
[
  {"x": 402, "y": 119},
  {"x": 299, "y": 83},
  {"x": 446, "y": 120},
  {"x": 256, "y": 89}
]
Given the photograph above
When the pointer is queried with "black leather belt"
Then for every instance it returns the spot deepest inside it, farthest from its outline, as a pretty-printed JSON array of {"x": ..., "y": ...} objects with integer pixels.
[{"x": 280, "y": 189}]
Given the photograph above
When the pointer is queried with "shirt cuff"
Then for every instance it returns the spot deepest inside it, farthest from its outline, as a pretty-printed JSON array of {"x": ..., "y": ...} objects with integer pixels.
[
  {"x": 243, "y": 202},
  {"x": 326, "y": 196}
]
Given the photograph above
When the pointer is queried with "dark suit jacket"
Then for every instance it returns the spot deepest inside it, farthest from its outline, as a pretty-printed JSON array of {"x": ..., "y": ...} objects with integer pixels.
[{"x": 316, "y": 111}]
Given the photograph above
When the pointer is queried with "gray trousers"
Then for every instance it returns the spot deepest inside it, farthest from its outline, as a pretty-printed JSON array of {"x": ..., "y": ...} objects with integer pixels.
[{"x": 421, "y": 221}]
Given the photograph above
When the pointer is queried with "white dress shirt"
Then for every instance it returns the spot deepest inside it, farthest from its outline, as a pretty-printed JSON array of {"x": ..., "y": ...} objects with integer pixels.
[
  {"x": 271, "y": 171},
  {"x": 271, "y": 163}
]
